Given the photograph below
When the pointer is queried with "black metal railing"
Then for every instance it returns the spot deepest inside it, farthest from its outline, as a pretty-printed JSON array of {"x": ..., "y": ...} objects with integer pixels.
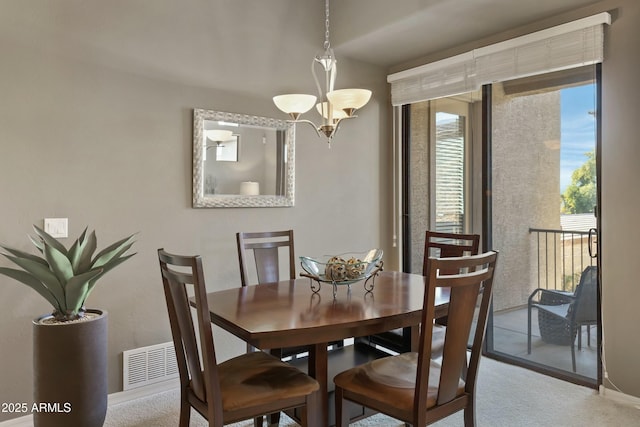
[{"x": 561, "y": 257}]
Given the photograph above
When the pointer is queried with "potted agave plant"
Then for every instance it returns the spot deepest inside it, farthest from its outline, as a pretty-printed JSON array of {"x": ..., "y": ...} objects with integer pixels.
[{"x": 70, "y": 344}]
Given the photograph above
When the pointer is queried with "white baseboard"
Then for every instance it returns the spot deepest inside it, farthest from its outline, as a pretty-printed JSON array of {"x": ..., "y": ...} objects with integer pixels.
[
  {"x": 113, "y": 399},
  {"x": 619, "y": 397}
]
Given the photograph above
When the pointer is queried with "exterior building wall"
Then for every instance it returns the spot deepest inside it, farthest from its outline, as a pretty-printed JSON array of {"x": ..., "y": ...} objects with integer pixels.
[
  {"x": 526, "y": 183},
  {"x": 419, "y": 187}
]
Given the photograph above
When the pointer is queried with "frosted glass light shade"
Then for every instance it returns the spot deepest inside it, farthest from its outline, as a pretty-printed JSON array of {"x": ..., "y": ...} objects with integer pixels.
[
  {"x": 323, "y": 110},
  {"x": 294, "y": 103},
  {"x": 219, "y": 135},
  {"x": 349, "y": 99}
]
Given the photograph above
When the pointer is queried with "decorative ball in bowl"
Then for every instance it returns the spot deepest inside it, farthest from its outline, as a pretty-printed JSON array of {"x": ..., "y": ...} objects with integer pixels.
[{"x": 344, "y": 268}]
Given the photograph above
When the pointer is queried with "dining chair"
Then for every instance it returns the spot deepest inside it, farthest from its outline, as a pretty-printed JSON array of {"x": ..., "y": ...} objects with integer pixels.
[
  {"x": 265, "y": 247},
  {"x": 412, "y": 387},
  {"x": 445, "y": 245},
  {"x": 247, "y": 386},
  {"x": 561, "y": 315},
  {"x": 439, "y": 245}
]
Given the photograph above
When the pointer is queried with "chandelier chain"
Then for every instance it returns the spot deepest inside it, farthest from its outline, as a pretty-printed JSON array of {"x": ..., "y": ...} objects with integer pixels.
[{"x": 327, "y": 45}]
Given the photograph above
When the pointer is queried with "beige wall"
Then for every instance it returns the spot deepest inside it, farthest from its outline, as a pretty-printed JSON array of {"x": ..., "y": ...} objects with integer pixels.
[
  {"x": 112, "y": 150},
  {"x": 620, "y": 197}
]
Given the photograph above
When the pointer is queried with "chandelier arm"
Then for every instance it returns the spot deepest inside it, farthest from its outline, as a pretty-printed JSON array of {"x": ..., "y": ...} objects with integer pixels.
[
  {"x": 337, "y": 124},
  {"x": 337, "y": 127},
  {"x": 309, "y": 122}
]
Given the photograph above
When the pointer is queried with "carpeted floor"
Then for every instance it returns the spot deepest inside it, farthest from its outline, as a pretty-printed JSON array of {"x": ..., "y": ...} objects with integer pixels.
[{"x": 508, "y": 396}]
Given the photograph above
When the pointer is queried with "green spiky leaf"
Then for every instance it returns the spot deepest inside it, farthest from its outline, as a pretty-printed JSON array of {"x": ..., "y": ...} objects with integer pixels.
[
  {"x": 59, "y": 264},
  {"x": 37, "y": 243},
  {"x": 49, "y": 240},
  {"x": 82, "y": 253},
  {"x": 21, "y": 254},
  {"x": 76, "y": 247},
  {"x": 107, "y": 268},
  {"x": 77, "y": 289},
  {"x": 112, "y": 251},
  {"x": 64, "y": 277},
  {"x": 33, "y": 283},
  {"x": 41, "y": 273}
]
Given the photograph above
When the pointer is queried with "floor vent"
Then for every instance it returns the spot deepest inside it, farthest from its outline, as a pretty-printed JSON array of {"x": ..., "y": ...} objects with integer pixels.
[{"x": 147, "y": 365}]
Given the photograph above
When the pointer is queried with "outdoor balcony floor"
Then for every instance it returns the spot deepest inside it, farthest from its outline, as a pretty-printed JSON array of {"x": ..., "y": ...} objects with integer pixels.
[{"x": 510, "y": 337}]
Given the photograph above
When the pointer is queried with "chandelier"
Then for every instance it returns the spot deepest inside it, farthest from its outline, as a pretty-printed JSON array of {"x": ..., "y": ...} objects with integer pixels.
[{"x": 334, "y": 105}]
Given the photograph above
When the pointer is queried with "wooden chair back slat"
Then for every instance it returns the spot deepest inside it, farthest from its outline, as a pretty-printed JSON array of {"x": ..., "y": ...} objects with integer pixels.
[{"x": 265, "y": 254}]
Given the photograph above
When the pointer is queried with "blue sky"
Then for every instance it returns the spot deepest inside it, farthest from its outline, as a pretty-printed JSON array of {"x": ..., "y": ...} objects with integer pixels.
[{"x": 577, "y": 130}]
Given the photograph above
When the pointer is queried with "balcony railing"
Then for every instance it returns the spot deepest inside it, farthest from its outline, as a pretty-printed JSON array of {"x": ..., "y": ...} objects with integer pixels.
[{"x": 561, "y": 257}]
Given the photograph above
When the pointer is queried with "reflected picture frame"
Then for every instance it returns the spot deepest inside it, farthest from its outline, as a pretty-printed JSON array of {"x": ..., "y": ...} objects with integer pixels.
[{"x": 227, "y": 151}]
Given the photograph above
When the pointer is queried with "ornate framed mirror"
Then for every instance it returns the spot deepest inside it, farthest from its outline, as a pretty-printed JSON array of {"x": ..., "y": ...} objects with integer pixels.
[{"x": 242, "y": 161}]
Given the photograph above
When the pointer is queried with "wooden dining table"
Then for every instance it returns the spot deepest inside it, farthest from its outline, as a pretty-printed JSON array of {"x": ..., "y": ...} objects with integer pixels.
[{"x": 290, "y": 314}]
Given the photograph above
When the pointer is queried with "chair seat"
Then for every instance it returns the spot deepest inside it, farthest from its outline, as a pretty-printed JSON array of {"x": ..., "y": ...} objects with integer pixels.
[
  {"x": 561, "y": 310},
  {"x": 391, "y": 381},
  {"x": 258, "y": 378}
]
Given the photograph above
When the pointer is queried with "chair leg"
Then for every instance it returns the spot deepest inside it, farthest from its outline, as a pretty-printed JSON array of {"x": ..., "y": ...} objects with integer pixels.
[
  {"x": 274, "y": 419},
  {"x": 579, "y": 337},
  {"x": 573, "y": 351},
  {"x": 185, "y": 413},
  {"x": 529, "y": 330},
  {"x": 470, "y": 413},
  {"x": 342, "y": 416}
]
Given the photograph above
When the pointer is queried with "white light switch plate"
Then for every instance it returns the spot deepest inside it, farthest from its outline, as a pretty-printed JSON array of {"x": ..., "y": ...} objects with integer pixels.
[{"x": 57, "y": 227}]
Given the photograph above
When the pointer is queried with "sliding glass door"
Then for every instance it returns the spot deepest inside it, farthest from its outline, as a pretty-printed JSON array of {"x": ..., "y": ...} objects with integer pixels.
[
  {"x": 543, "y": 205},
  {"x": 438, "y": 158},
  {"x": 537, "y": 205}
]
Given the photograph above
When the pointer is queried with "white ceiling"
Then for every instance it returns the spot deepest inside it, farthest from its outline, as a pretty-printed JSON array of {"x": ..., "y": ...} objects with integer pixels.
[{"x": 208, "y": 42}]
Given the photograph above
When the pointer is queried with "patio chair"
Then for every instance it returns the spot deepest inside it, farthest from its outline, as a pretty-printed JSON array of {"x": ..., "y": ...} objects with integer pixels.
[
  {"x": 561, "y": 315},
  {"x": 412, "y": 387},
  {"x": 241, "y": 388},
  {"x": 438, "y": 245}
]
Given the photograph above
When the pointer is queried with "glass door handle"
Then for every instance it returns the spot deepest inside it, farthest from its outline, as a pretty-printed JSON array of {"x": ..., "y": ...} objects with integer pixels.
[{"x": 593, "y": 240}]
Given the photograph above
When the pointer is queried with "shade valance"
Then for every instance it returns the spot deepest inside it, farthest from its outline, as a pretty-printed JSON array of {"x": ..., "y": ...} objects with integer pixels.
[{"x": 565, "y": 46}]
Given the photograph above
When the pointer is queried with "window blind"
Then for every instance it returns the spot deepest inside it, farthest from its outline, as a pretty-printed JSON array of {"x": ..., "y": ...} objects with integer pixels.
[
  {"x": 565, "y": 46},
  {"x": 450, "y": 176}
]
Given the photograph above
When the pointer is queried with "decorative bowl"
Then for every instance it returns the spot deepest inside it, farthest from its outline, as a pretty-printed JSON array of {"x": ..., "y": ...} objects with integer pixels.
[{"x": 343, "y": 269}]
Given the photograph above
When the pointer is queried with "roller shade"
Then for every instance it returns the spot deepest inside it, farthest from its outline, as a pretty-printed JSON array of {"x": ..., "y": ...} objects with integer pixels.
[{"x": 565, "y": 46}]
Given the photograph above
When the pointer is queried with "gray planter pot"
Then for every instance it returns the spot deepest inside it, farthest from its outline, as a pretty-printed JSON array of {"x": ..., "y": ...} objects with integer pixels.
[{"x": 70, "y": 372}]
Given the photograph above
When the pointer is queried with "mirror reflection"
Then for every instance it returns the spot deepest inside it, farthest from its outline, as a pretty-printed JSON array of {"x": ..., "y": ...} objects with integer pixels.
[{"x": 241, "y": 160}]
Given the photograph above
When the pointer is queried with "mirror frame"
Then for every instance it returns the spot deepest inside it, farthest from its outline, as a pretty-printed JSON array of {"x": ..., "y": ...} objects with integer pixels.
[{"x": 200, "y": 200}]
